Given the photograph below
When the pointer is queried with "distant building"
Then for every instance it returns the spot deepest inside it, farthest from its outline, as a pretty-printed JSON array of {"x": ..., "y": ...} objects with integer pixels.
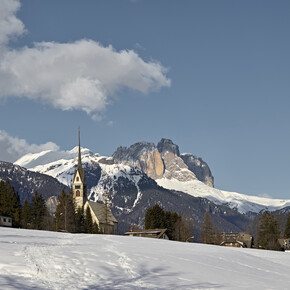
[
  {"x": 101, "y": 213},
  {"x": 5, "y": 221},
  {"x": 285, "y": 244},
  {"x": 151, "y": 233},
  {"x": 239, "y": 240}
]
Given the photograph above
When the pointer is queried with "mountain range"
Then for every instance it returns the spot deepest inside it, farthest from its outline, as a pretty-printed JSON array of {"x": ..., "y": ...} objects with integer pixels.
[{"x": 142, "y": 174}]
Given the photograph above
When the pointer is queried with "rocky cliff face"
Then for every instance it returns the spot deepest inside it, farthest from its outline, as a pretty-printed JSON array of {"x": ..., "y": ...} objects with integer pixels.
[
  {"x": 144, "y": 156},
  {"x": 164, "y": 161},
  {"x": 175, "y": 168},
  {"x": 199, "y": 167}
]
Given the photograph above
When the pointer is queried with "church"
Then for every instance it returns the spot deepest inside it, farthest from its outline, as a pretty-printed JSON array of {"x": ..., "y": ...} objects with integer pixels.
[{"x": 101, "y": 213}]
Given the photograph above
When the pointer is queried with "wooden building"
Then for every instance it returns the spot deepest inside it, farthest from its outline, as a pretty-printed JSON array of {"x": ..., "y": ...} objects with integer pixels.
[
  {"x": 151, "y": 233},
  {"x": 239, "y": 240},
  {"x": 5, "y": 221},
  {"x": 285, "y": 244}
]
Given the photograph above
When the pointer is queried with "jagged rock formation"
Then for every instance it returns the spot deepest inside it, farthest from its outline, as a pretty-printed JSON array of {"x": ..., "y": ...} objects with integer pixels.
[
  {"x": 199, "y": 167},
  {"x": 165, "y": 161},
  {"x": 175, "y": 168},
  {"x": 144, "y": 156},
  {"x": 166, "y": 145}
]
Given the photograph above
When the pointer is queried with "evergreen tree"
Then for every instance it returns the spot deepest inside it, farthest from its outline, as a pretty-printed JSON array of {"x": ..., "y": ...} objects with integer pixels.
[
  {"x": 38, "y": 211},
  {"x": 10, "y": 203},
  {"x": 65, "y": 213},
  {"x": 155, "y": 217},
  {"x": 182, "y": 231},
  {"x": 95, "y": 228},
  {"x": 26, "y": 215},
  {"x": 88, "y": 221},
  {"x": 287, "y": 228},
  {"x": 217, "y": 236},
  {"x": 268, "y": 232},
  {"x": 207, "y": 230},
  {"x": 80, "y": 220}
]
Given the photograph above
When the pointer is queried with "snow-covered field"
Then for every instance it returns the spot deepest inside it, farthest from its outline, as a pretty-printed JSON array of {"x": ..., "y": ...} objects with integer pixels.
[{"x": 48, "y": 260}]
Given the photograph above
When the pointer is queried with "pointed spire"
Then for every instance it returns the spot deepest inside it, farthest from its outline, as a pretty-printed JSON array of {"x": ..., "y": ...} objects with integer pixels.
[{"x": 80, "y": 157}]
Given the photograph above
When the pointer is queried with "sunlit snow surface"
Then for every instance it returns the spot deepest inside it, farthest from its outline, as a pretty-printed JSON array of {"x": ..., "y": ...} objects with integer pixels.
[
  {"x": 47, "y": 260},
  {"x": 242, "y": 202}
]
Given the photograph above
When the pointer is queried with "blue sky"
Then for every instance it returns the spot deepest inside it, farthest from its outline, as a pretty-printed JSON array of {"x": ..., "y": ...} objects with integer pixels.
[{"x": 213, "y": 76}]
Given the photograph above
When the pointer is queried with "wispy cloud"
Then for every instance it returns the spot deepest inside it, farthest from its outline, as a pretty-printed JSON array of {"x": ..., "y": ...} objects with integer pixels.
[
  {"x": 12, "y": 148},
  {"x": 83, "y": 75}
]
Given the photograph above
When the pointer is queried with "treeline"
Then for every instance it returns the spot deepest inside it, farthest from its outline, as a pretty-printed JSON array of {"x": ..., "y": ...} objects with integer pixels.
[
  {"x": 178, "y": 228},
  {"x": 34, "y": 214},
  {"x": 30, "y": 215},
  {"x": 266, "y": 229}
]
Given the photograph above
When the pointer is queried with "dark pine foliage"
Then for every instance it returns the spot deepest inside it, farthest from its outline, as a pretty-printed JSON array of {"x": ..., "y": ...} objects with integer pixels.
[
  {"x": 157, "y": 218},
  {"x": 65, "y": 213},
  {"x": 268, "y": 232},
  {"x": 26, "y": 215},
  {"x": 88, "y": 221},
  {"x": 38, "y": 211},
  {"x": 287, "y": 228},
  {"x": 209, "y": 234},
  {"x": 10, "y": 203}
]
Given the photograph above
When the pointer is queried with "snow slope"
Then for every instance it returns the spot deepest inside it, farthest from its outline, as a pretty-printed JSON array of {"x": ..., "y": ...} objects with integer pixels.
[
  {"x": 242, "y": 202},
  {"x": 48, "y": 260}
]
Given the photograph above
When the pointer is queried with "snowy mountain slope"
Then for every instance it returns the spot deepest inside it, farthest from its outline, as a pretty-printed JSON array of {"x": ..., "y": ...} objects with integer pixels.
[
  {"x": 50, "y": 260},
  {"x": 105, "y": 173},
  {"x": 101, "y": 172},
  {"x": 242, "y": 202},
  {"x": 133, "y": 192},
  {"x": 26, "y": 182}
]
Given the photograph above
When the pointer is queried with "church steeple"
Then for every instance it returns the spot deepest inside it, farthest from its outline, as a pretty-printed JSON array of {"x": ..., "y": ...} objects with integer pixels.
[
  {"x": 79, "y": 181},
  {"x": 80, "y": 156}
]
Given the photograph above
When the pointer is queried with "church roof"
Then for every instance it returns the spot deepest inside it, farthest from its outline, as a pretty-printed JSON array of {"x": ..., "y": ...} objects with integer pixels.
[{"x": 100, "y": 210}]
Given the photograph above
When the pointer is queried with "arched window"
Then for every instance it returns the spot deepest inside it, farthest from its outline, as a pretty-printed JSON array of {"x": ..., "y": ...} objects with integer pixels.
[
  {"x": 77, "y": 179},
  {"x": 78, "y": 193}
]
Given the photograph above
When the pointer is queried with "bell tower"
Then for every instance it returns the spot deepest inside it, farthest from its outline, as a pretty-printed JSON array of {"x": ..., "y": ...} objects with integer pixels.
[{"x": 79, "y": 181}]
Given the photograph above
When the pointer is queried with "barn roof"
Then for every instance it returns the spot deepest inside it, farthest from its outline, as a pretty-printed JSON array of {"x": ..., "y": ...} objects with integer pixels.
[{"x": 157, "y": 232}]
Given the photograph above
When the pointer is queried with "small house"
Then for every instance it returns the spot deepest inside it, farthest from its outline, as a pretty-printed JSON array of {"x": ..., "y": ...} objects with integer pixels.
[
  {"x": 285, "y": 244},
  {"x": 151, "y": 233},
  {"x": 238, "y": 240},
  {"x": 5, "y": 221}
]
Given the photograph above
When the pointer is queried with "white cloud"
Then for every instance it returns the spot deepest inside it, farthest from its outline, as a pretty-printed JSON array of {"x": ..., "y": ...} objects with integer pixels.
[
  {"x": 10, "y": 25},
  {"x": 82, "y": 75},
  {"x": 12, "y": 148}
]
